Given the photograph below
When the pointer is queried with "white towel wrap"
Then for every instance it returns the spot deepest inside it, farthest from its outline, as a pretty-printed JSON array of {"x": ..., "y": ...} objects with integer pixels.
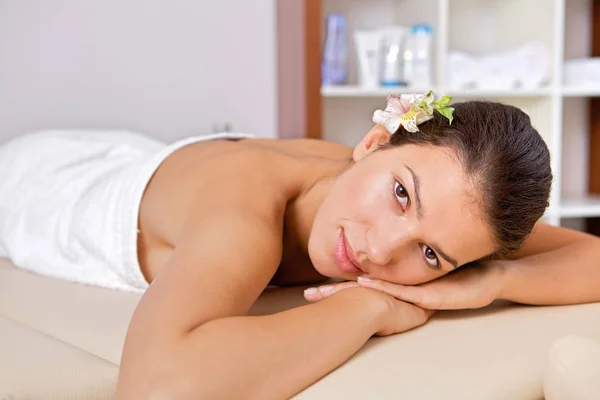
[{"x": 69, "y": 202}]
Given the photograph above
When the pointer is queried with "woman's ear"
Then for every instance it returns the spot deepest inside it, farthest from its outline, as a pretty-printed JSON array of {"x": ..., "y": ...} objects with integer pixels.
[{"x": 377, "y": 137}]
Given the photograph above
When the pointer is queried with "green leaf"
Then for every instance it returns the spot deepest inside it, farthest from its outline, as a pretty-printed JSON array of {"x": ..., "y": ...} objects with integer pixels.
[
  {"x": 444, "y": 101},
  {"x": 447, "y": 112}
]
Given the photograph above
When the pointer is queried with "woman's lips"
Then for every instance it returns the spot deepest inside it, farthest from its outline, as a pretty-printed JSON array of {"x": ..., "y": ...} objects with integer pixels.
[
  {"x": 340, "y": 255},
  {"x": 352, "y": 256}
]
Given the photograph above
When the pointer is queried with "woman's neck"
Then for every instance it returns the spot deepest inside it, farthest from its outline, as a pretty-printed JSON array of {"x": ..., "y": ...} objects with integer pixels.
[{"x": 301, "y": 211}]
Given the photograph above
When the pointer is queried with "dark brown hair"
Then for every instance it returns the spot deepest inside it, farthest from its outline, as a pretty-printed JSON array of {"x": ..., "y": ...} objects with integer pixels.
[{"x": 506, "y": 158}]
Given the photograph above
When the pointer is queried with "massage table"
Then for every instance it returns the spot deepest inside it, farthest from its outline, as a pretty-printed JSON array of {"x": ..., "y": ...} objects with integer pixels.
[{"x": 60, "y": 340}]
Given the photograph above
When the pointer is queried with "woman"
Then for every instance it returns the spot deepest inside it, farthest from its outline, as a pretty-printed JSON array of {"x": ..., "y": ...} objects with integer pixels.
[{"x": 220, "y": 220}]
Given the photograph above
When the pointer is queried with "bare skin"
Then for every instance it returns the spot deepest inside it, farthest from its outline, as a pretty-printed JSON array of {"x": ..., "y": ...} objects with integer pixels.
[
  {"x": 204, "y": 202},
  {"x": 221, "y": 220},
  {"x": 199, "y": 178}
]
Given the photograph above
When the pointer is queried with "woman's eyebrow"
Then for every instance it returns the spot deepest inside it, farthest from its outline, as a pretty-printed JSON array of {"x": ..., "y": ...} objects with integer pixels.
[
  {"x": 445, "y": 256},
  {"x": 420, "y": 212}
]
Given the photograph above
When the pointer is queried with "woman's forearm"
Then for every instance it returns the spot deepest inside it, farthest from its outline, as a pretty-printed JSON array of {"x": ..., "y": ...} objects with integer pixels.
[
  {"x": 567, "y": 275},
  {"x": 271, "y": 356}
]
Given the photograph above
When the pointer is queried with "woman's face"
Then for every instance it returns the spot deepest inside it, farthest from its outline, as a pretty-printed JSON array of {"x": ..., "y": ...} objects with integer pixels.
[{"x": 405, "y": 215}]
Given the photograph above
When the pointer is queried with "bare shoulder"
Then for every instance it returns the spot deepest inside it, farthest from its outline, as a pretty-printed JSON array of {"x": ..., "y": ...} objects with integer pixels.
[
  {"x": 208, "y": 181},
  {"x": 309, "y": 148},
  {"x": 545, "y": 238}
]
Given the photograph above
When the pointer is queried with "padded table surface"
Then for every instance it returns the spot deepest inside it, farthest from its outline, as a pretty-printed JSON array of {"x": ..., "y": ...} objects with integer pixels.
[{"x": 498, "y": 352}]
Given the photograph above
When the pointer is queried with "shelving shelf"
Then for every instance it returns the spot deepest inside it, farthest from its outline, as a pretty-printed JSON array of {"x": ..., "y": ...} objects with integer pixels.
[
  {"x": 358, "y": 91},
  {"x": 580, "y": 207},
  {"x": 479, "y": 27},
  {"x": 581, "y": 91}
]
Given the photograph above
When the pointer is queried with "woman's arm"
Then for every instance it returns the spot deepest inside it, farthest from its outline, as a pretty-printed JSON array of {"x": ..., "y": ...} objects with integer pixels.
[
  {"x": 271, "y": 356},
  {"x": 555, "y": 266},
  {"x": 190, "y": 339}
]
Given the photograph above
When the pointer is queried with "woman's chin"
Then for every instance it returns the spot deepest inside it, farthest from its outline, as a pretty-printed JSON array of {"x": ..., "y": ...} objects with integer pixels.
[
  {"x": 327, "y": 270},
  {"x": 333, "y": 272}
]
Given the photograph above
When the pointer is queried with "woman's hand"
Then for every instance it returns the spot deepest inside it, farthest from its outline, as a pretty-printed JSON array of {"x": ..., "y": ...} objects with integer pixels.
[
  {"x": 398, "y": 316},
  {"x": 468, "y": 287}
]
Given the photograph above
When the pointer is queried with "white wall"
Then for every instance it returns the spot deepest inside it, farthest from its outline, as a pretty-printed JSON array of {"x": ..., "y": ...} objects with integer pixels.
[{"x": 166, "y": 68}]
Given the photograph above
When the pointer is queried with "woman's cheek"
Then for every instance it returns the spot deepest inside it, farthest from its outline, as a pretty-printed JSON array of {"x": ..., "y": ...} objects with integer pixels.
[{"x": 413, "y": 275}]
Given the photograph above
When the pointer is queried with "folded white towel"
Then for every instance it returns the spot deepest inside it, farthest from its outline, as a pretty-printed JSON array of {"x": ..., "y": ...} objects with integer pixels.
[{"x": 69, "y": 202}]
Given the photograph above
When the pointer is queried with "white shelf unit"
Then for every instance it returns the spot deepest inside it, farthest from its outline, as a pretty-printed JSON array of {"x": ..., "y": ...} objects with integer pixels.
[
  {"x": 381, "y": 92},
  {"x": 587, "y": 206},
  {"x": 483, "y": 27},
  {"x": 580, "y": 92},
  {"x": 358, "y": 91}
]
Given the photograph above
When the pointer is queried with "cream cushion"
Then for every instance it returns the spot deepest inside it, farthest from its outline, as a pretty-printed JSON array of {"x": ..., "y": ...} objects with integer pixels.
[
  {"x": 499, "y": 352},
  {"x": 573, "y": 370}
]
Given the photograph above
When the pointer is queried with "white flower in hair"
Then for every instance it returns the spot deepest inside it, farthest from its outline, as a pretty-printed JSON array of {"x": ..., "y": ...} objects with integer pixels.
[{"x": 410, "y": 111}]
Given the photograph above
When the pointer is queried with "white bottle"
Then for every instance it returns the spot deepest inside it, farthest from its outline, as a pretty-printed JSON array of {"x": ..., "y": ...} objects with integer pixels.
[
  {"x": 368, "y": 51},
  {"x": 421, "y": 43}
]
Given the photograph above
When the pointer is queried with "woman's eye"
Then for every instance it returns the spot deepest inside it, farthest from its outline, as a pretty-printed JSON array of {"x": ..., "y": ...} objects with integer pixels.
[
  {"x": 401, "y": 194},
  {"x": 430, "y": 257}
]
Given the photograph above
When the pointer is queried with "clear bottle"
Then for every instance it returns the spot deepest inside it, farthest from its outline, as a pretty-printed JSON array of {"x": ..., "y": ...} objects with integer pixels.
[
  {"x": 421, "y": 44},
  {"x": 334, "y": 65},
  {"x": 408, "y": 61},
  {"x": 392, "y": 43}
]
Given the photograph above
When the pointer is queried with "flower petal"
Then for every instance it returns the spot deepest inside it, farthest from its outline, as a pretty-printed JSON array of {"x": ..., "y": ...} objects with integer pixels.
[
  {"x": 425, "y": 108},
  {"x": 422, "y": 117},
  {"x": 396, "y": 106},
  {"x": 409, "y": 121},
  {"x": 391, "y": 122},
  {"x": 423, "y": 103},
  {"x": 410, "y": 125},
  {"x": 428, "y": 97},
  {"x": 407, "y": 100}
]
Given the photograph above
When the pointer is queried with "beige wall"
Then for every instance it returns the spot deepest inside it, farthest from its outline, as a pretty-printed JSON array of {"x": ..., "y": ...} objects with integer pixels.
[
  {"x": 291, "y": 68},
  {"x": 167, "y": 68}
]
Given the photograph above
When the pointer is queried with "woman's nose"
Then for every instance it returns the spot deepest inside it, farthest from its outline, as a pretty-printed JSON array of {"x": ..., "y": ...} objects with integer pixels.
[{"x": 383, "y": 245}]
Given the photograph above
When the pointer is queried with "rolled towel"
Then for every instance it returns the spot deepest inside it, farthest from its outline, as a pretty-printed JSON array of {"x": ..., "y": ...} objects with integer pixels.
[
  {"x": 573, "y": 369},
  {"x": 496, "y": 72},
  {"x": 532, "y": 65},
  {"x": 462, "y": 69}
]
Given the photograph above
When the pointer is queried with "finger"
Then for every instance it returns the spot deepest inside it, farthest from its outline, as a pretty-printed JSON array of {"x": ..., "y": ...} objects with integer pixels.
[
  {"x": 400, "y": 292},
  {"x": 418, "y": 295},
  {"x": 422, "y": 315},
  {"x": 315, "y": 294},
  {"x": 426, "y": 314},
  {"x": 429, "y": 313},
  {"x": 407, "y": 317}
]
